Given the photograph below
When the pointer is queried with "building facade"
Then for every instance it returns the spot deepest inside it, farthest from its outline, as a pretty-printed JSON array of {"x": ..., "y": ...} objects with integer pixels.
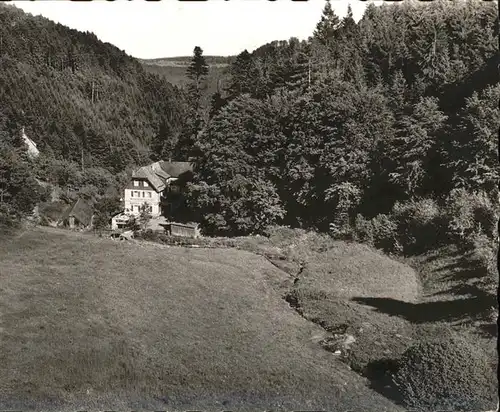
[
  {"x": 158, "y": 185},
  {"x": 137, "y": 193}
]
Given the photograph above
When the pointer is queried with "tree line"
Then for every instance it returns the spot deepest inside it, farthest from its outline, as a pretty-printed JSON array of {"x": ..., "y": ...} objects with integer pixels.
[{"x": 382, "y": 129}]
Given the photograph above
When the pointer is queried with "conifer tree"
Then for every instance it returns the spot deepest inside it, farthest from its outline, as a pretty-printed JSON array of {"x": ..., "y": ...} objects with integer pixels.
[
  {"x": 216, "y": 104},
  {"x": 162, "y": 144},
  {"x": 350, "y": 52},
  {"x": 327, "y": 26},
  {"x": 198, "y": 69},
  {"x": 243, "y": 75}
]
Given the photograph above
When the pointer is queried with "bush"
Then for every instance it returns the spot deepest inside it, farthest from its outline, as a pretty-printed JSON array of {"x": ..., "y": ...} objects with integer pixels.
[
  {"x": 150, "y": 235},
  {"x": 379, "y": 232},
  {"x": 45, "y": 193},
  {"x": 484, "y": 252},
  {"x": 484, "y": 256},
  {"x": 282, "y": 234},
  {"x": 384, "y": 232},
  {"x": 420, "y": 225},
  {"x": 363, "y": 230},
  {"x": 8, "y": 218},
  {"x": 470, "y": 214},
  {"x": 446, "y": 372},
  {"x": 182, "y": 241},
  {"x": 132, "y": 224}
]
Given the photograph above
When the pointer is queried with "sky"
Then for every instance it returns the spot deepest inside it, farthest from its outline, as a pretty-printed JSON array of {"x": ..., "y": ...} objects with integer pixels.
[{"x": 169, "y": 28}]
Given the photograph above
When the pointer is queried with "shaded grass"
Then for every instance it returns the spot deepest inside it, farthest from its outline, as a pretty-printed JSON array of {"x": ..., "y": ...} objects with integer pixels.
[
  {"x": 350, "y": 289},
  {"x": 333, "y": 274},
  {"x": 444, "y": 311},
  {"x": 92, "y": 323}
]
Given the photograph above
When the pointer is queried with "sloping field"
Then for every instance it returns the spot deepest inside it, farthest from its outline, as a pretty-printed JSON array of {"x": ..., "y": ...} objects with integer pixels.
[
  {"x": 382, "y": 308},
  {"x": 92, "y": 323},
  {"x": 331, "y": 290}
]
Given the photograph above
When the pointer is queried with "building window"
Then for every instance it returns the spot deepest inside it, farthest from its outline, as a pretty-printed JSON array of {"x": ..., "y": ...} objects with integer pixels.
[
  {"x": 137, "y": 194},
  {"x": 136, "y": 183},
  {"x": 151, "y": 209},
  {"x": 131, "y": 193},
  {"x": 149, "y": 194},
  {"x": 146, "y": 184}
]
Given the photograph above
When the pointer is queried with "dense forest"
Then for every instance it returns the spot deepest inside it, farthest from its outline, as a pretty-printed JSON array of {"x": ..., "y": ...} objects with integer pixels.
[
  {"x": 77, "y": 96},
  {"x": 385, "y": 128},
  {"x": 382, "y": 130}
]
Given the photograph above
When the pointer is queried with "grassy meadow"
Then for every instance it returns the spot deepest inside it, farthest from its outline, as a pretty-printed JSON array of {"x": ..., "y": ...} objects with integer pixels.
[{"x": 88, "y": 322}]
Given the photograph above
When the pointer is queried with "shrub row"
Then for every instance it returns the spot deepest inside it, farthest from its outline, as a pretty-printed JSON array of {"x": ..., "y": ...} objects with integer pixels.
[{"x": 466, "y": 219}]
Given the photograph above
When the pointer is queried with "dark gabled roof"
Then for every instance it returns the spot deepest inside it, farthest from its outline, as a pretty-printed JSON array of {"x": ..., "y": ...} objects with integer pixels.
[
  {"x": 146, "y": 172},
  {"x": 175, "y": 169},
  {"x": 81, "y": 211},
  {"x": 157, "y": 173}
]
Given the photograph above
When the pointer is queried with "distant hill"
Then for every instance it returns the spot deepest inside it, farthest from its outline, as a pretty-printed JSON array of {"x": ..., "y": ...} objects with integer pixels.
[
  {"x": 74, "y": 93},
  {"x": 222, "y": 61},
  {"x": 173, "y": 69}
]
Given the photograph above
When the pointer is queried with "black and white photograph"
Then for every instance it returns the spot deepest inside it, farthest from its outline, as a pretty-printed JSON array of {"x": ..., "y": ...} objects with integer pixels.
[{"x": 249, "y": 205}]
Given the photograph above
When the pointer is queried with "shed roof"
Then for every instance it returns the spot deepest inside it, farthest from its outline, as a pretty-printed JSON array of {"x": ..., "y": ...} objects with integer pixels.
[{"x": 81, "y": 211}]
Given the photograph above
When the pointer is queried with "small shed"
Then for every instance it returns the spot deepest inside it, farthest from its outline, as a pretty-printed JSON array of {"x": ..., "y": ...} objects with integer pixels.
[
  {"x": 78, "y": 215},
  {"x": 119, "y": 221},
  {"x": 182, "y": 229}
]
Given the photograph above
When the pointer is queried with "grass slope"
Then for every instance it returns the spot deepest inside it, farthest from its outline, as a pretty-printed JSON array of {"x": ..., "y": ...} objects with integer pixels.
[
  {"x": 92, "y": 323},
  {"x": 333, "y": 285},
  {"x": 331, "y": 290},
  {"x": 384, "y": 307}
]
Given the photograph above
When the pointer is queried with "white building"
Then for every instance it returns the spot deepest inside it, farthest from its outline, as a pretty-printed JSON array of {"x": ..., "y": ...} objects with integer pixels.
[{"x": 157, "y": 185}]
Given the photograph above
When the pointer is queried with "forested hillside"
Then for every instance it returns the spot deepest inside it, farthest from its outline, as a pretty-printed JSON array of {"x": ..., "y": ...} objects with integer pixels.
[
  {"x": 382, "y": 130},
  {"x": 76, "y": 94},
  {"x": 364, "y": 125}
]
